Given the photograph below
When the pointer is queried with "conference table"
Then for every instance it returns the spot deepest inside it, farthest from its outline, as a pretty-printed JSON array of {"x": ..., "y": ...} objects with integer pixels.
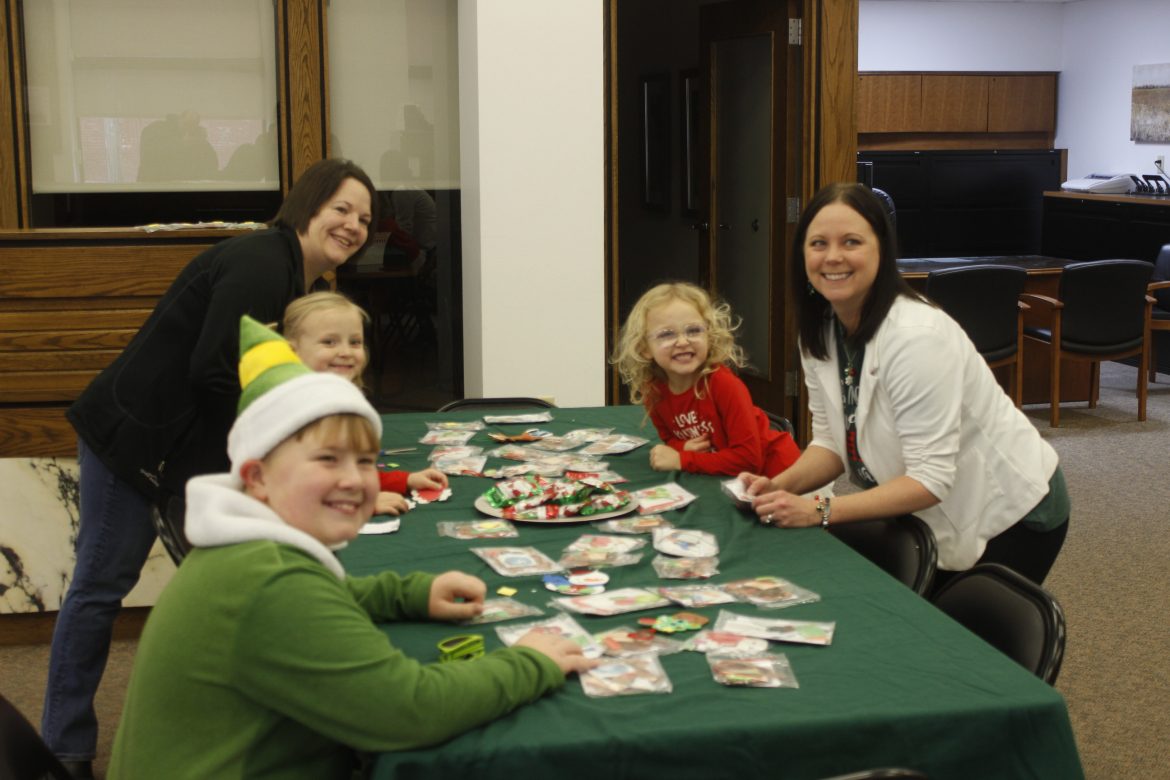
[{"x": 901, "y": 684}]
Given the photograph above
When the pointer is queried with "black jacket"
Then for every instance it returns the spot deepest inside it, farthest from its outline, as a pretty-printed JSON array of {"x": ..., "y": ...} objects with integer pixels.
[{"x": 160, "y": 413}]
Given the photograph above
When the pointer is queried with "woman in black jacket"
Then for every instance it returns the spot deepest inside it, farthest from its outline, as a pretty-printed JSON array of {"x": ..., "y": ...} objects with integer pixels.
[{"x": 160, "y": 413}]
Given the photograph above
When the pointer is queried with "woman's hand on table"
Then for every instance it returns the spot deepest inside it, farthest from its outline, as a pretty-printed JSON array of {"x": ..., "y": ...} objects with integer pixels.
[
  {"x": 565, "y": 653},
  {"x": 754, "y": 484},
  {"x": 388, "y": 503},
  {"x": 427, "y": 479},
  {"x": 663, "y": 458},
  {"x": 787, "y": 510},
  {"x": 456, "y": 596}
]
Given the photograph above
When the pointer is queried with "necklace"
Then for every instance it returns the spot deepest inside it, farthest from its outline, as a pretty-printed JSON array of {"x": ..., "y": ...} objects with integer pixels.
[{"x": 849, "y": 369}]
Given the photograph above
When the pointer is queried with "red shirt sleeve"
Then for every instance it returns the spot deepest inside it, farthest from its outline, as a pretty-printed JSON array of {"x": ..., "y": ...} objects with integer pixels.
[{"x": 393, "y": 481}]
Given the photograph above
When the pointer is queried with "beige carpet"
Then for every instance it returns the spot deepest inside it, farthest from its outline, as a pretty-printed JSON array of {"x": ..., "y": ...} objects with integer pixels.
[{"x": 1110, "y": 579}]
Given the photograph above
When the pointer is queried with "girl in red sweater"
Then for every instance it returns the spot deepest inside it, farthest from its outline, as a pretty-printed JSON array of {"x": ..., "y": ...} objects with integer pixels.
[
  {"x": 674, "y": 354},
  {"x": 326, "y": 330}
]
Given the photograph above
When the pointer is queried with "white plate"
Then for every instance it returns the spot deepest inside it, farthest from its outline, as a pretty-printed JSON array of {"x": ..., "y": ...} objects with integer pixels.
[{"x": 482, "y": 505}]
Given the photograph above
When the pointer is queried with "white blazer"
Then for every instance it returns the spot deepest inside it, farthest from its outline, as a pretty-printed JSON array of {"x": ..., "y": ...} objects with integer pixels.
[{"x": 929, "y": 408}]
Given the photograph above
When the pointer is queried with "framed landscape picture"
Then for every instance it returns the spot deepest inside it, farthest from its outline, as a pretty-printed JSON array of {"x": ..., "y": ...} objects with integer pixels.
[{"x": 1150, "y": 117}]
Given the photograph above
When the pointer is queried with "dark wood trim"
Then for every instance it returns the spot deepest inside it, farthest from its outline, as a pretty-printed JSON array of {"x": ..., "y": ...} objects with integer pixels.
[
  {"x": 612, "y": 194},
  {"x": 303, "y": 74},
  {"x": 13, "y": 205},
  {"x": 37, "y": 628}
]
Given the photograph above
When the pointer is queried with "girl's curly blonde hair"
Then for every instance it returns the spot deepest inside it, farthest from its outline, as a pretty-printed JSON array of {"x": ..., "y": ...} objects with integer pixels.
[
  {"x": 293, "y": 325},
  {"x": 633, "y": 355}
]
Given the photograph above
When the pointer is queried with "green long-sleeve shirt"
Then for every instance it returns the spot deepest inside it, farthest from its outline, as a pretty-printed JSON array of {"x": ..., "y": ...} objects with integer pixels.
[{"x": 259, "y": 662}]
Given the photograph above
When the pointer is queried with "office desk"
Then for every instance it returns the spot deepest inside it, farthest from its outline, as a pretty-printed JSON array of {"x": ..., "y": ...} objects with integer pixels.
[
  {"x": 901, "y": 684},
  {"x": 1043, "y": 279}
]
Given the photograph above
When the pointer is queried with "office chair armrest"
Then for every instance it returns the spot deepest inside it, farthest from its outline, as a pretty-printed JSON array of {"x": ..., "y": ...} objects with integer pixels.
[
  {"x": 1047, "y": 306},
  {"x": 1023, "y": 306},
  {"x": 1158, "y": 285}
]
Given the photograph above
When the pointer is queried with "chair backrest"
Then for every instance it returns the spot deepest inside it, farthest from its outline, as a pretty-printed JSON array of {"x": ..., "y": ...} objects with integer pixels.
[
  {"x": 23, "y": 754},
  {"x": 1104, "y": 303},
  {"x": 1162, "y": 274},
  {"x": 902, "y": 546},
  {"x": 779, "y": 422},
  {"x": 984, "y": 300},
  {"x": 889, "y": 773},
  {"x": 1009, "y": 612},
  {"x": 512, "y": 402},
  {"x": 169, "y": 521}
]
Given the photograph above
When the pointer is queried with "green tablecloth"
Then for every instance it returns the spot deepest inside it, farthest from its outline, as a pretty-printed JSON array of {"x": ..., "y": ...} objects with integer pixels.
[{"x": 901, "y": 684}]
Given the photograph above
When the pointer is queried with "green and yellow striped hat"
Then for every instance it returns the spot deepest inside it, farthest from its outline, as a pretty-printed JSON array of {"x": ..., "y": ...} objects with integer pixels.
[{"x": 280, "y": 395}]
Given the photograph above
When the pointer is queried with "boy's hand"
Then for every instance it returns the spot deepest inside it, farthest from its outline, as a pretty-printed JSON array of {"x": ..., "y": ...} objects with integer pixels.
[
  {"x": 663, "y": 458},
  {"x": 456, "y": 596},
  {"x": 565, "y": 653},
  {"x": 390, "y": 504},
  {"x": 427, "y": 479},
  {"x": 701, "y": 444}
]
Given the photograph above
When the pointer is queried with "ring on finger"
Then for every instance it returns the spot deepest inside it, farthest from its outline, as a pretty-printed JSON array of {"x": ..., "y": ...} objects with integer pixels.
[{"x": 769, "y": 518}]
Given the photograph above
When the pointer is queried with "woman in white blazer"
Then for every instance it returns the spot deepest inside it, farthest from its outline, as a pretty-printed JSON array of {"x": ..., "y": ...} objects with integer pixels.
[{"x": 902, "y": 401}]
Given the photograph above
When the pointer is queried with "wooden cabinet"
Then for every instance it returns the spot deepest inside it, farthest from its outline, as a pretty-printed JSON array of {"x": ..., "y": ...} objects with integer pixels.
[
  {"x": 956, "y": 103},
  {"x": 70, "y": 300}
]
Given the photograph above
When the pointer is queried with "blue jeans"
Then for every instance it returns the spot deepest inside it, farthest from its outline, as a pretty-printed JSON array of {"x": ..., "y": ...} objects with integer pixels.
[{"x": 114, "y": 538}]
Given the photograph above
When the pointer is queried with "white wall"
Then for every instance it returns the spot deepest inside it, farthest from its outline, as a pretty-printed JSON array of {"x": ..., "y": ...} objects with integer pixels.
[
  {"x": 531, "y": 75},
  {"x": 1103, "y": 40},
  {"x": 1094, "y": 44}
]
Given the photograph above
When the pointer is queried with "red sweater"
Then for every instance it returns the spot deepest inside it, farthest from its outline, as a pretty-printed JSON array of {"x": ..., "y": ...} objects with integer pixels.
[
  {"x": 741, "y": 438},
  {"x": 393, "y": 482}
]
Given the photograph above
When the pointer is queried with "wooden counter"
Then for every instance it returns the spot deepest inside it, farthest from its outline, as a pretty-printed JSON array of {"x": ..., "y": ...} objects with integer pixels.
[
  {"x": 70, "y": 300},
  {"x": 1043, "y": 279}
]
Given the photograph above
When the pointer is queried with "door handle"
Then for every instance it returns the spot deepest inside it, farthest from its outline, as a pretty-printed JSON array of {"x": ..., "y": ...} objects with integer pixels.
[
  {"x": 700, "y": 226},
  {"x": 755, "y": 225},
  {"x": 724, "y": 226}
]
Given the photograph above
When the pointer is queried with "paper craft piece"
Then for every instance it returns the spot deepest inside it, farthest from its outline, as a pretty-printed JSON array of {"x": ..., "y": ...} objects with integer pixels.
[
  {"x": 456, "y": 425},
  {"x": 504, "y": 590},
  {"x": 680, "y": 621},
  {"x": 643, "y": 524},
  {"x": 727, "y": 644},
  {"x": 685, "y": 542},
  {"x": 517, "y": 561},
  {"x": 588, "y": 435},
  {"x": 662, "y": 498},
  {"x": 669, "y": 568},
  {"x": 768, "y": 670},
  {"x": 477, "y": 529},
  {"x": 614, "y": 445},
  {"x": 462, "y": 467},
  {"x": 600, "y": 550},
  {"x": 504, "y": 419},
  {"x": 770, "y": 592},
  {"x": 586, "y": 576},
  {"x": 381, "y": 527},
  {"x": 520, "y": 469},
  {"x": 446, "y": 437},
  {"x": 515, "y": 437},
  {"x": 798, "y": 631},
  {"x": 430, "y": 495},
  {"x": 623, "y": 642},
  {"x": 559, "y": 583},
  {"x": 626, "y": 676},
  {"x": 737, "y": 491},
  {"x": 611, "y": 477},
  {"x": 445, "y": 451},
  {"x": 555, "y": 444},
  {"x": 614, "y": 602},
  {"x": 561, "y": 625},
  {"x": 495, "y": 610},
  {"x": 695, "y": 596}
]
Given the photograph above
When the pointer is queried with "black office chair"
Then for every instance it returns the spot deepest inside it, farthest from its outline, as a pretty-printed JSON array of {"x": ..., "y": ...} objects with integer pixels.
[
  {"x": 1159, "y": 289},
  {"x": 985, "y": 301},
  {"x": 892, "y": 773},
  {"x": 779, "y": 422},
  {"x": 496, "y": 403},
  {"x": 168, "y": 517},
  {"x": 23, "y": 754},
  {"x": 1103, "y": 314},
  {"x": 1009, "y": 612},
  {"x": 904, "y": 547}
]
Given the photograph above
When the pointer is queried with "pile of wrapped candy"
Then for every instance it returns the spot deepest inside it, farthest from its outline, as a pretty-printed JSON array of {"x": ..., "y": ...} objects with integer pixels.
[{"x": 533, "y": 497}]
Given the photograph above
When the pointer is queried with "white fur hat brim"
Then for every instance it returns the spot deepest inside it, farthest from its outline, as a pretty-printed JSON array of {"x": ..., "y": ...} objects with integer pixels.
[{"x": 289, "y": 406}]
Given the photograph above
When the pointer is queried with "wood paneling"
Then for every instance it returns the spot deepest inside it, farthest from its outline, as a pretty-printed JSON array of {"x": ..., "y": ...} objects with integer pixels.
[
  {"x": 1021, "y": 103},
  {"x": 888, "y": 102},
  {"x": 303, "y": 83},
  {"x": 835, "y": 66},
  {"x": 954, "y": 104},
  {"x": 10, "y": 129}
]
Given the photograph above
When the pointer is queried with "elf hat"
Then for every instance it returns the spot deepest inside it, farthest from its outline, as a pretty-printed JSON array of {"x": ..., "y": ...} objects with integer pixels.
[{"x": 281, "y": 395}]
